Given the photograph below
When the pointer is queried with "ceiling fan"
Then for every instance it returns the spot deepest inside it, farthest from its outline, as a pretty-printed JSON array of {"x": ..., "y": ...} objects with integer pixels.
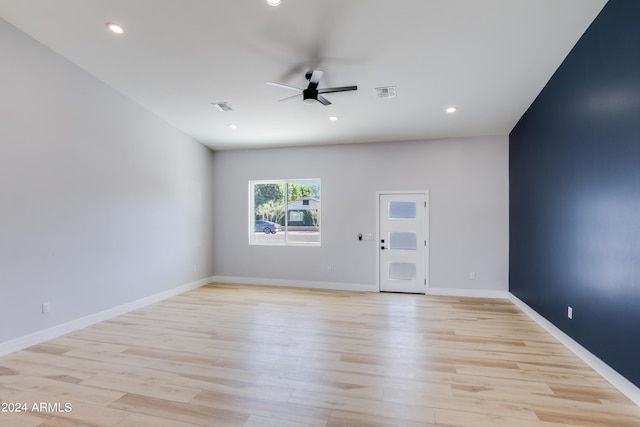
[{"x": 312, "y": 93}]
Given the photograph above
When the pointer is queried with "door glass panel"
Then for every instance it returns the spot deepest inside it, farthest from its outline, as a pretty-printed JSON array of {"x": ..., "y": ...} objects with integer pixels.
[
  {"x": 402, "y": 240},
  {"x": 402, "y": 271},
  {"x": 402, "y": 210}
]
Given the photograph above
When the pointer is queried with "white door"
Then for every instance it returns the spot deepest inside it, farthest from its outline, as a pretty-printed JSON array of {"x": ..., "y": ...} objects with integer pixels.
[{"x": 402, "y": 242}]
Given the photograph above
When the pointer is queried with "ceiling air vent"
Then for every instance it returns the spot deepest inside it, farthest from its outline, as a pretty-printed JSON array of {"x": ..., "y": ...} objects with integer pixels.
[
  {"x": 222, "y": 106},
  {"x": 386, "y": 92}
]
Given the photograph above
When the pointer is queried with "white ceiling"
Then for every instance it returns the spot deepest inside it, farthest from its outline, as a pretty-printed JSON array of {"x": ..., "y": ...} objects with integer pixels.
[{"x": 489, "y": 58}]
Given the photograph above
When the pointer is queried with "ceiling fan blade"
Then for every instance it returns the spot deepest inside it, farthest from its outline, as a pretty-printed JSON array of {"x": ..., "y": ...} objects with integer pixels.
[
  {"x": 284, "y": 86},
  {"x": 294, "y": 71},
  {"x": 322, "y": 100},
  {"x": 337, "y": 89},
  {"x": 316, "y": 76},
  {"x": 290, "y": 98}
]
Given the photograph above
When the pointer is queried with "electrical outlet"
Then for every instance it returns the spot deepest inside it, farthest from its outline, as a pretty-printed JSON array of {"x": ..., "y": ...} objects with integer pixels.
[
  {"x": 570, "y": 312},
  {"x": 46, "y": 307},
  {"x": 472, "y": 275},
  {"x": 329, "y": 269}
]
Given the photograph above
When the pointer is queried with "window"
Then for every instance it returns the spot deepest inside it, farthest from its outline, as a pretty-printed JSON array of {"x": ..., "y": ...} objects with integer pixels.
[{"x": 284, "y": 212}]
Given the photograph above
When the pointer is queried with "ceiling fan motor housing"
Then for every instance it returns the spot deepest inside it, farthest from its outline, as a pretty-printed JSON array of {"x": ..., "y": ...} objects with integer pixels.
[{"x": 310, "y": 94}]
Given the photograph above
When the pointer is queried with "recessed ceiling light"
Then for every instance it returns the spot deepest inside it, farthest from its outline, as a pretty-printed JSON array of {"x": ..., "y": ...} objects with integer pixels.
[
  {"x": 333, "y": 118},
  {"x": 232, "y": 126},
  {"x": 115, "y": 28},
  {"x": 451, "y": 110},
  {"x": 273, "y": 2}
]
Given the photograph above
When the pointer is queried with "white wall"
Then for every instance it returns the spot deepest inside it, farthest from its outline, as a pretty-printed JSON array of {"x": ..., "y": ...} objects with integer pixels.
[
  {"x": 467, "y": 180},
  {"x": 101, "y": 203}
]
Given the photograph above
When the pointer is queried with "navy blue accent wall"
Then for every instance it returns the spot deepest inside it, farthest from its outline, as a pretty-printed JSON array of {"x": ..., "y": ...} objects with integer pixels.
[{"x": 574, "y": 172}]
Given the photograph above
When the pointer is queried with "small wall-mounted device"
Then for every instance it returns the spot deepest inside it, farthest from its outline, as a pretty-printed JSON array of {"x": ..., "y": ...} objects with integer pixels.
[{"x": 359, "y": 236}]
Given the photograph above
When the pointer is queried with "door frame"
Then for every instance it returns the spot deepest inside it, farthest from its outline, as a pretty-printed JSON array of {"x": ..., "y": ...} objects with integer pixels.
[{"x": 379, "y": 194}]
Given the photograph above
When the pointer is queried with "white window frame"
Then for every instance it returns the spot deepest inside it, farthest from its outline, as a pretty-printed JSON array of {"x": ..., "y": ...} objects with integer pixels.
[{"x": 252, "y": 213}]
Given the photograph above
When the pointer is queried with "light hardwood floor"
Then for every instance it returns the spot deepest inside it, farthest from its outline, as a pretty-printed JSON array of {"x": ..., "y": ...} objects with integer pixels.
[{"x": 236, "y": 355}]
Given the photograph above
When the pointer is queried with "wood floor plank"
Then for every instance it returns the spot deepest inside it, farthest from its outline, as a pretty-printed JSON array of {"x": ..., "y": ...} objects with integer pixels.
[
  {"x": 472, "y": 404},
  {"x": 161, "y": 390},
  {"x": 455, "y": 418},
  {"x": 13, "y": 419},
  {"x": 56, "y": 410},
  {"x": 70, "y": 391},
  {"x": 265, "y": 407},
  {"x": 177, "y": 411},
  {"x": 272, "y": 392},
  {"x": 357, "y": 419},
  {"x": 399, "y": 411},
  {"x": 373, "y": 391},
  {"x": 255, "y": 356},
  {"x": 141, "y": 420},
  {"x": 257, "y": 421}
]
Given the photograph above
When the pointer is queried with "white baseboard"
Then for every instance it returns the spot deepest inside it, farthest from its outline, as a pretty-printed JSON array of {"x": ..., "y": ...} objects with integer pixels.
[
  {"x": 73, "y": 325},
  {"x": 338, "y": 286},
  {"x": 471, "y": 293},
  {"x": 335, "y": 286},
  {"x": 618, "y": 381}
]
